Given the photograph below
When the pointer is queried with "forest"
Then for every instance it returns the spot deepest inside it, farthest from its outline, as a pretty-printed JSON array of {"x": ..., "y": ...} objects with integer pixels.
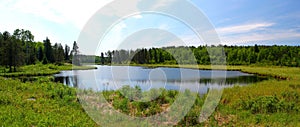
[
  {"x": 19, "y": 49},
  {"x": 235, "y": 55}
]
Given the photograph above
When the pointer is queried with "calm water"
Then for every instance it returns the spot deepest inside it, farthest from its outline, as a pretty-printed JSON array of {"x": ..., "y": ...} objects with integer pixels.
[{"x": 115, "y": 77}]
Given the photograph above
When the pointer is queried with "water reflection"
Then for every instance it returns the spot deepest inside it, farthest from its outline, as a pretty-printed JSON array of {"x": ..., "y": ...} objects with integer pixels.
[{"x": 113, "y": 78}]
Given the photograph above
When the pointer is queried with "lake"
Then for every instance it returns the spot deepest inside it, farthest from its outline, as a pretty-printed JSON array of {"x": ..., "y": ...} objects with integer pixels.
[{"x": 115, "y": 77}]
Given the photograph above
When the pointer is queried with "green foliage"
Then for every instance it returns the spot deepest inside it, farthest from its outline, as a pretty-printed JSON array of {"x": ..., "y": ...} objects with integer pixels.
[
  {"x": 204, "y": 55},
  {"x": 11, "y": 53},
  {"x": 40, "y": 103},
  {"x": 269, "y": 104},
  {"x": 134, "y": 102},
  {"x": 20, "y": 49},
  {"x": 75, "y": 54}
]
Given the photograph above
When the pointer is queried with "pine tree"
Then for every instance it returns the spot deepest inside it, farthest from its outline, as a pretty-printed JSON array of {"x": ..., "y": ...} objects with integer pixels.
[
  {"x": 75, "y": 54},
  {"x": 48, "y": 51}
]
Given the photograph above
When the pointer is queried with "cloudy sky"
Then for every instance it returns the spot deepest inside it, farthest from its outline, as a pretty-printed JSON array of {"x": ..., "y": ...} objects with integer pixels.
[{"x": 237, "y": 22}]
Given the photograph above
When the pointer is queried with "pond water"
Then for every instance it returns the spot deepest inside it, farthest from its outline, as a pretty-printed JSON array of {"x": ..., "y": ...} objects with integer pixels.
[{"x": 115, "y": 77}]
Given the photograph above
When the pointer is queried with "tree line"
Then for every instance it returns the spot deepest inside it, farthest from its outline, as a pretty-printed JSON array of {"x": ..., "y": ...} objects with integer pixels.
[
  {"x": 19, "y": 49},
  {"x": 205, "y": 55}
]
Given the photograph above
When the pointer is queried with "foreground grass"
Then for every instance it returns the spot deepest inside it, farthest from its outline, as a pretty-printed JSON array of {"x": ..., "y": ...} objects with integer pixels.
[
  {"x": 40, "y": 103},
  {"x": 268, "y": 103},
  {"x": 42, "y": 70}
]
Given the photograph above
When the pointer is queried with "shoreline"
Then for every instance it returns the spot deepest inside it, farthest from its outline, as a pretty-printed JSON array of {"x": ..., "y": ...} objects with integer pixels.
[
  {"x": 244, "y": 69},
  {"x": 44, "y": 70},
  {"x": 50, "y": 69}
]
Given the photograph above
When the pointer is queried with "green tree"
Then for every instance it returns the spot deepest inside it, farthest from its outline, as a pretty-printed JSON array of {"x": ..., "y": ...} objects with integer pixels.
[
  {"x": 48, "y": 51},
  {"x": 26, "y": 38},
  {"x": 109, "y": 55},
  {"x": 40, "y": 53},
  {"x": 12, "y": 53},
  {"x": 1, "y": 49},
  {"x": 58, "y": 53},
  {"x": 102, "y": 58},
  {"x": 67, "y": 51},
  {"x": 75, "y": 54}
]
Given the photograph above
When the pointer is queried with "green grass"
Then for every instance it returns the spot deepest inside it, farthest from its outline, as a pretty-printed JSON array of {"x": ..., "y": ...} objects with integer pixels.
[
  {"x": 268, "y": 103},
  {"x": 40, "y": 103},
  {"x": 42, "y": 70},
  {"x": 274, "y": 102}
]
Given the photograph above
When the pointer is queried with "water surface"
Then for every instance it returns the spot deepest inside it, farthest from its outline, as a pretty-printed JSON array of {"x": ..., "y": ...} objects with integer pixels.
[{"x": 115, "y": 77}]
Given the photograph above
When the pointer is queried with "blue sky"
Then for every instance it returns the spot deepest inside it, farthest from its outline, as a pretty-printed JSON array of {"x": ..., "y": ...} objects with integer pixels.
[
  {"x": 238, "y": 22},
  {"x": 272, "y": 21}
]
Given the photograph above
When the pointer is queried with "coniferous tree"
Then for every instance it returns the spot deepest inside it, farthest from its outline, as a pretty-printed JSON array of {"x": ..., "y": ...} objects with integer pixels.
[
  {"x": 67, "y": 51},
  {"x": 102, "y": 58},
  {"x": 26, "y": 38},
  {"x": 75, "y": 54},
  {"x": 40, "y": 53},
  {"x": 58, "y": 53},
  {"x": 48, "y": 51},
  {"x": 12, "y": 53}
]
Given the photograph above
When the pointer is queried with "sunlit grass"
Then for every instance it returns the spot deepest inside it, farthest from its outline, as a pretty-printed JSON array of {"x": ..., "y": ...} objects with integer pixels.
[
  {"x": 40, "y": 103},
  {"x": 42, "y": 70}
]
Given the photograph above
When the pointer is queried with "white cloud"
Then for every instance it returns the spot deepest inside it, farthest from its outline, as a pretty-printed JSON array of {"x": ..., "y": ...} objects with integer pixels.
[
  {"x": 113, "y": 38},
  {"x": 121, "y": 8},
  {"x": 66, "y": 11},
  {"x": 243, "y": 28},
  {"x": 46, "y": 18},
  {"x": 164, "y": 27},
  {"x": 38, "y": 8},
  {"x": 267, "y": 36},
  {"x": 254, "y": 32},
  {"x": 139, "y": 16},
  {"x": 161, "y": 3}
]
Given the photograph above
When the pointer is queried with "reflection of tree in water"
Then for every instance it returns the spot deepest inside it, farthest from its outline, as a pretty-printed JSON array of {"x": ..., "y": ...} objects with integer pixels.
[
  {"x": 235, "y": 80},
  {"x": 75, "y": 81},
  {"x": 69, "y": 80}
]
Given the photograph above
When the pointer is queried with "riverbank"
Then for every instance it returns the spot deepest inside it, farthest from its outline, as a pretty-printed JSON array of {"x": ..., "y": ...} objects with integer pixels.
[
  {"x": 286, "y": 73},
  {"x": 44, "y": 103},
  {"x": 42, "y": 70}
]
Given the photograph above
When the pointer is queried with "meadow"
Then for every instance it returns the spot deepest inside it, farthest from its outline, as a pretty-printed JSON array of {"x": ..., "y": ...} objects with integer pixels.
[{"x": 274, "y": 102}]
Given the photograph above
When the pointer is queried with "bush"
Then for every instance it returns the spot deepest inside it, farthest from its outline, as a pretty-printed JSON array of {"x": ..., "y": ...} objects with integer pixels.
[{"x": 270, "y": 104}]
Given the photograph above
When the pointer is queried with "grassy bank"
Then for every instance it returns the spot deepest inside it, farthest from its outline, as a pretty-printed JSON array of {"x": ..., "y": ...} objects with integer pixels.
[
  {"x": 41, "y": 70},
  {"x": 289, "y": 73},
  {"x": 269, "y": 103}
]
